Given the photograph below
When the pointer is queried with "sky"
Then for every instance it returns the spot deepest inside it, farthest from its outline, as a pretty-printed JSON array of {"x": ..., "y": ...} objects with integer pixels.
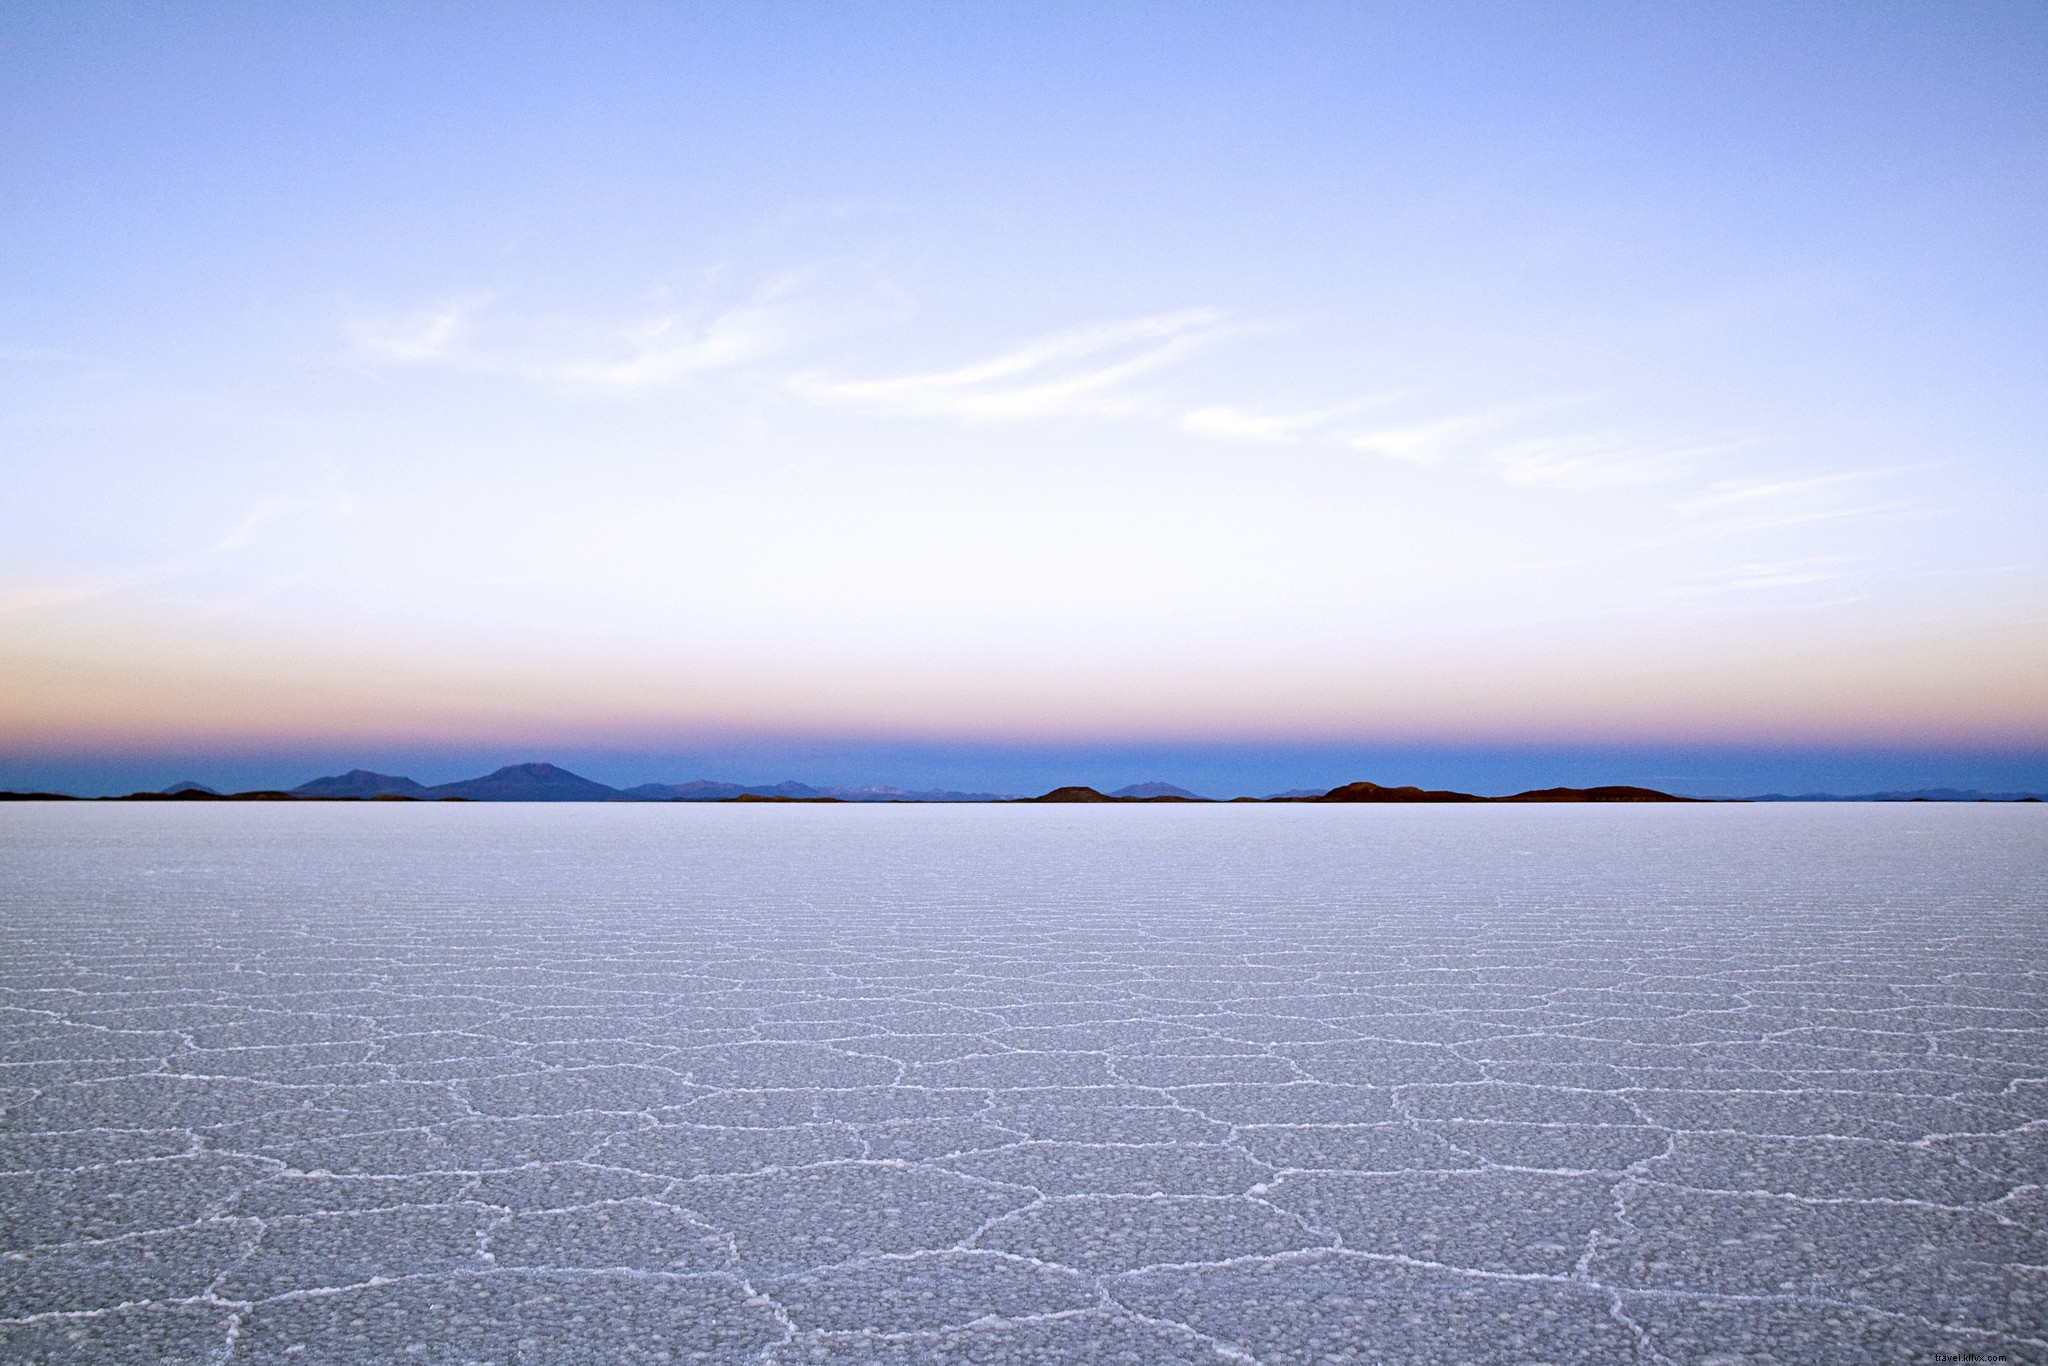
[{"x": 942, "y": 394}]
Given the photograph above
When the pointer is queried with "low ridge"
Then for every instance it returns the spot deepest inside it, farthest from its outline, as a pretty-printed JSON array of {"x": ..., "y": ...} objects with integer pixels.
[
  {"x": 1373, "y": 792},
  {"x": 1152, "y": 791},
  {"x": 544, "y": 782},
  {"x": 529, "y": 783},
  {"x": 360, "y": 782},
  {"x": 1594, "y": 794}
]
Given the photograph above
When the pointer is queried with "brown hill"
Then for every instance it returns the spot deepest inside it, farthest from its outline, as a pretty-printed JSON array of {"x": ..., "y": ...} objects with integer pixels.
[
  {"x": 1071, "y": 794},
  {"x": 195, "y": 794},
  {"x": 761, "y": 797},
  {"x": 1594, "y": 794},
  {"x": 1373, "y": 792}
]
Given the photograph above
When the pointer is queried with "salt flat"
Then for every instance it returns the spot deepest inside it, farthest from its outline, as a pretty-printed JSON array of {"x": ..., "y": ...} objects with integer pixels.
[{"x": 1161, "y": 1084}]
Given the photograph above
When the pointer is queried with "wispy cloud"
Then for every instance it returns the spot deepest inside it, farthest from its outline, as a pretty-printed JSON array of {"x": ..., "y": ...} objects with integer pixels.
[
  {"x": 1074, "y": 373},
  {"x": 1092, "y": 371},
  {"x": 33, "y": 597},
  {"x": 329, "y": 502},
  {"x": 326, "y": 502},
  {"x": 640, "y": 355},
  {"x": 1430, "y": 443},
  {"x": 1734, "y": 506},
  {"x": 1500, "y": 437},
  {"x": 1598, "y": 462},
  {"x": 1777, "y": 520},
  {"x": 1744, "y": 493},
  {"x": 1238, "y": 424},
  {"x": 1514, "y": 443},
  {"x": 428, "y": 335},
  {"x": 662, "y": 351},
  {"x": 1751, "y": 578}
]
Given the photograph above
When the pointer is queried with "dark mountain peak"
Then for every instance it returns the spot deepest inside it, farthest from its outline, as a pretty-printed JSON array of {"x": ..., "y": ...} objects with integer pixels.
[
  {"x": 1071, "y": 794},
  {"x": 359, "y": 782},
  {"x": 189, "y": 786},
  {"x": 699, "y": 790},
  {"x": 529, "y": 783},
  {"x": 538, "y": 772},
  {"x": 791, "y": 788},
  {"x": 1144, "y": 791}
]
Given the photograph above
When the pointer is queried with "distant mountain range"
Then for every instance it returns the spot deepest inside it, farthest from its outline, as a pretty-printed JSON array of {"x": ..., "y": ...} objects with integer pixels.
[
  {"x": 548, "y": 783},
  {"x": 1143, "y": 791},
  {"x": 1923, "y": 794},
  {"x": 703, "y": 790},
  {"x": 1089, "y": 794},
  {"x": 1371, "y": 793},
  {"x": 360, "y": 783}
]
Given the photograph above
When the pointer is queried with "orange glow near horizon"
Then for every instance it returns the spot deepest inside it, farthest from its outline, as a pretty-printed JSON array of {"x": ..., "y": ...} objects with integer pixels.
[{"x": 237, "y": 691}]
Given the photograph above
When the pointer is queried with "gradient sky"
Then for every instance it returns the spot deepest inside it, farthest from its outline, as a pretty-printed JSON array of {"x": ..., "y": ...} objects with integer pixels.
[{"x": 675, "y": 378}]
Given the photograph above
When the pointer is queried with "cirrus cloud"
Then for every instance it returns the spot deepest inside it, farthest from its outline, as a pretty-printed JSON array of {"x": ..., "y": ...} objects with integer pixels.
[{"x": 1081, "y": 372}]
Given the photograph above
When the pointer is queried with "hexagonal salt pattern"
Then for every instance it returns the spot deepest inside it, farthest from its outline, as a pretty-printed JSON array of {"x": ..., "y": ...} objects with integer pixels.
[{"x": 707, "y": 1084}]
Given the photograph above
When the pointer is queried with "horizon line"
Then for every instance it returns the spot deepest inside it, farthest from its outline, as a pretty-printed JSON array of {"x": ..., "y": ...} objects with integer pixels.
[{"x": 360, "y": 784}]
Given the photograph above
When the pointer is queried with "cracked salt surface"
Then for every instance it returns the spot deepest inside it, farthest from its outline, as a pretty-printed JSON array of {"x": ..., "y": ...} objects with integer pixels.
[{"x": 669, "y": 1084}]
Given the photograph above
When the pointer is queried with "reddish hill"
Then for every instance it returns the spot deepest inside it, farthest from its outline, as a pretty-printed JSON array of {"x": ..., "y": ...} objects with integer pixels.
[
  {"x": 1594, "y": 794},
  {"x": 761, "y": 797},
  {"x": 1373, "y": 792}
]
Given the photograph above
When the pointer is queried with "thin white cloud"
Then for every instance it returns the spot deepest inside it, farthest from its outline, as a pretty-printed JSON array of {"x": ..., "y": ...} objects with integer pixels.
[
  {"x": 428, "y": 335},
  {"x": 1728, "y": 493},
  {"x": 1773, "y": 521},
  {"x": 1429, "y": 443},
  {"x": 1236, "y": 424},
  {"x": 663, "y": 351},
  {"x": 1597, "y": 462},
  {"x": 30, "y": 598},
  {"x": 328, "y": 502},
  {"x": 1736, "y": 506},
  {"x": 1075, "y": 373},
  {"x": 643, "y": 355},
  {"x": 1750, "y": 578},
  {"x": 1509, "y": 440}
]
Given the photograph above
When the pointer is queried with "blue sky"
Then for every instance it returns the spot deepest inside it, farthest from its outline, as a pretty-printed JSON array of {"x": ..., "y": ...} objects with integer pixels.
[{"x": 758, "y": 381}]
